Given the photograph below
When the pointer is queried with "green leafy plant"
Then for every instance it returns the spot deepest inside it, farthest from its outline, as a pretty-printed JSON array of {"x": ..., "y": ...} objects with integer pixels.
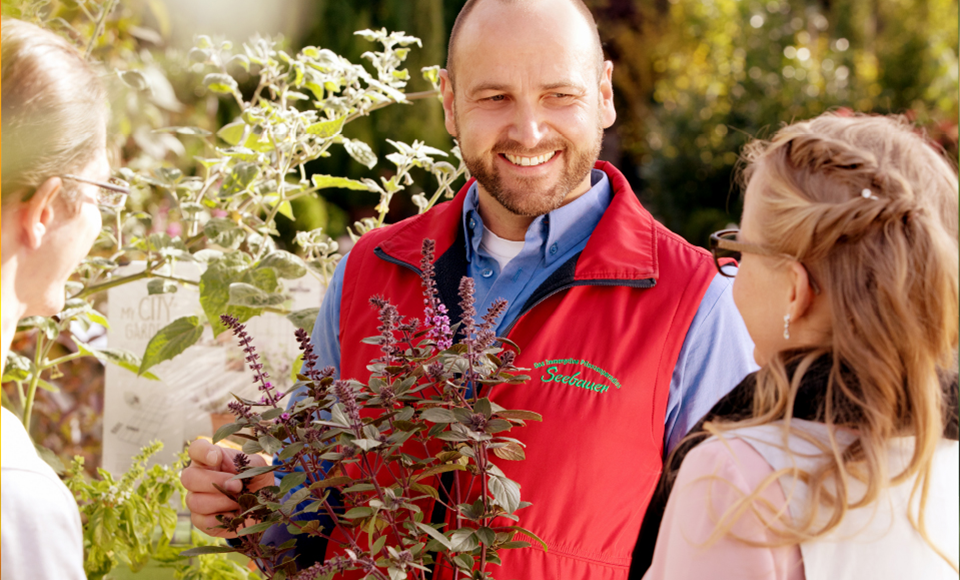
[
  {"x": 366, "y": 459},
  {"x": 226, "y": 199},
  {"x": 129, "y": 520}
]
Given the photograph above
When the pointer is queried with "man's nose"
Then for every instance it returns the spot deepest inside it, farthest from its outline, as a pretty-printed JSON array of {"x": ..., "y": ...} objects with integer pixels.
[{"x": 529, "y": 127}]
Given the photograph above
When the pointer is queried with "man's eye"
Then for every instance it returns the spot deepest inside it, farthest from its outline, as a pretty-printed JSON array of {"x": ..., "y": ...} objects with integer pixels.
[{"x": 496, "y": 98}]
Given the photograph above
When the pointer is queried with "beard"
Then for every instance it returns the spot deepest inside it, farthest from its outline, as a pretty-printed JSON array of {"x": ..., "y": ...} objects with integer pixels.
[{"x": 532, "y": 197}]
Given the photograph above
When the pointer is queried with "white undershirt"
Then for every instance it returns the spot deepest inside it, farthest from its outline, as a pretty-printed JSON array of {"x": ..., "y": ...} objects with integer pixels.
[{"x": 500, "y": 249}]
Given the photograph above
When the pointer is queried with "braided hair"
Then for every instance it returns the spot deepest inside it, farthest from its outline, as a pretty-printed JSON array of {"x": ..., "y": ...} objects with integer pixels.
[{"x": 871, "y": 209}]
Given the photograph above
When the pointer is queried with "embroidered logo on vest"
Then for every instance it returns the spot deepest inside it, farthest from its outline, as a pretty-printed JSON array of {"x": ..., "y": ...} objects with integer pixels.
[{"x": 552, "y": 374}]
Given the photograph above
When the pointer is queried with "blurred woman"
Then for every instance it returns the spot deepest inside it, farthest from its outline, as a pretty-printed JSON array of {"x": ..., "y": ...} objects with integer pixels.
[
  {"x": 54, "y": 174},
  {"x": 838, "y": 458}
]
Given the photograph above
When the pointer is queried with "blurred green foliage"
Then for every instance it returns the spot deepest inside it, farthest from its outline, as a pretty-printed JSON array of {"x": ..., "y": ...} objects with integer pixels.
[{"x": 696, "y": 79}]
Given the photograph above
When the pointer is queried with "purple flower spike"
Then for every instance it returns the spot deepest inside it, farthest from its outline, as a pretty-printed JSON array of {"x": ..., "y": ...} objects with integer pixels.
[
  {"x": 434, "y": 312},
  {"x": 309, "y": 358},
  {"x": 390, "y": 320},
  {"x": 252, "y": 358}
]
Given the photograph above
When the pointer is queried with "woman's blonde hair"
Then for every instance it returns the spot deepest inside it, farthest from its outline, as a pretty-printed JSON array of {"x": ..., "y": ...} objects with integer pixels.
[
  {"x": 871, "y": 209},
  {"x": 54, "y": 109}
]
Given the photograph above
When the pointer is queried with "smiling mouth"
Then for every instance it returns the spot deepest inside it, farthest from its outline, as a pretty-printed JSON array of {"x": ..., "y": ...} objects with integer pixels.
[{"x": 529, "y": 161}]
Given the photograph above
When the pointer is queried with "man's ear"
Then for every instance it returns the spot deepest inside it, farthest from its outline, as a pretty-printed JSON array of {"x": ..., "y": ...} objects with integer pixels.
[
  {"x": 37, "y": 213},
  {"x": 608, "y": 114},
  {"x": 446, "y": 91}
]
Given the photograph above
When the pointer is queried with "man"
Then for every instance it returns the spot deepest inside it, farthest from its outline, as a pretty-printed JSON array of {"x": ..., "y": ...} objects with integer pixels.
[{"x": 596, "y": 289}]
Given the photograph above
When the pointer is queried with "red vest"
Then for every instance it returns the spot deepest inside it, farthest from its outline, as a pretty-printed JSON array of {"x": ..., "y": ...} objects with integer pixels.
[{"x": 601, "y": 339}]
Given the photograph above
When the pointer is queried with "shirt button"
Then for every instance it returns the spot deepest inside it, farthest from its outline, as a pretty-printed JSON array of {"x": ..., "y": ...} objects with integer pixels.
[
  {"x": 486, "y": 272},
  {"x": 473, "y": 223},
  {"x": 553, "y": 249}
]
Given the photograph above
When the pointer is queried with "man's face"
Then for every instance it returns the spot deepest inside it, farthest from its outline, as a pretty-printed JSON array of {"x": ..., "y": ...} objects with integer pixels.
[{"x": 530, "y": 104}]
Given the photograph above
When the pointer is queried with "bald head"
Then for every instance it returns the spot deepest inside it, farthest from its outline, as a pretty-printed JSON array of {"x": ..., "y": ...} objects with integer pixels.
[{"x": 526, "y": 12}]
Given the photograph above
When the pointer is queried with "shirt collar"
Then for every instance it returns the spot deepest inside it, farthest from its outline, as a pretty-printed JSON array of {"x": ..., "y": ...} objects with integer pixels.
[{"x": 555, "y": 233}]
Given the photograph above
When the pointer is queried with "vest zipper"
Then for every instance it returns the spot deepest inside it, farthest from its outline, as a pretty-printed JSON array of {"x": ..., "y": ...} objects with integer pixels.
[
  {"x": 387, "y": 257},
  {"x": 640, "y": 284}
]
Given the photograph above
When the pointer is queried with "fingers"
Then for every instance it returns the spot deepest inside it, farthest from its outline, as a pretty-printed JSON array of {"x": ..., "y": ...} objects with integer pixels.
[
  {"x": 210, "y": 456},
  {"x": 210, "y": 504},
  {"x": 206, "y": 454},
  {"x": 199, "y": 479}
]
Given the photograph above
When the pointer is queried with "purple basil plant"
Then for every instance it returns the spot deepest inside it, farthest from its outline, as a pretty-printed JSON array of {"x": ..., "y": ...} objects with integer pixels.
[{"x": 360, "y": 464}]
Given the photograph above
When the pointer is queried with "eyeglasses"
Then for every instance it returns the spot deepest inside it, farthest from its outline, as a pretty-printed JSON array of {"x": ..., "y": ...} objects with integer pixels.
[
  {"x": 727, "y": 250},
  {"x": 111, "y": 194}
]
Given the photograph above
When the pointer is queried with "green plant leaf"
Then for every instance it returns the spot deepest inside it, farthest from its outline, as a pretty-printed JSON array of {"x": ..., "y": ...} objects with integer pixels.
[
  {"x": 522, "y": 415},
  {"x": 304, "y": 319},
  {"x": 161, "y": 286},
  {"x": 172, "y": 339},
  {"x": 270, "y": 443},
  {"x": 506, "y": 493},
  {"x": 464, "y": 561},
  {"x": 530, "y": 534},
  {"x": 331, "y": 482},
  {"x": 486, "y": 535},
  {"x": 438, "y": 415},
  {"x": 361, "y": 152},
  {"x": 50, "y": 458},
  {"x": 325, "y": 181},
  {"x": 118, "y": 356},
  {"x": 240, "y": 177},
  {"x": 97, "y": 317},
  {"x": 74, "y": 307},
  {"x": 46, "y": 325},
  {"x": 224, "y": 233},
  {"x": 287, "y": 265},
  {"x": 232, "y": 132},
  {"x": 366, "y": 444},
  {"x": 438, "y": 469},
  {"x": 248, "y": 295},
  {"x": 255, "y": 471},
  {"x": 135, "y": 80},
  {"x": 510, "y": 452},
  {"x": 435, "y": 534},
  {"x": 291, "y": 481},
  {"x": 226, "y": 430},
  {"x": 215, "y": 289},
  {"x": 167, "y": 520},
  {"x": 358, "y": 512},
  {"x": 464, "y": 540},
  {"x": 256, "y": 529},
  {"x": 326, "y": 129},
  {"x": 17, "y": 367},
  {"x": 220, "y": 83}
]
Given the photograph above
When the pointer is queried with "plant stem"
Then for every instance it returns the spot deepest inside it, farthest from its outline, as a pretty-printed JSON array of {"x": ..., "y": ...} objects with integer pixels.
[
  {"x": 34, "y": 383},
  {"x": 146, "y": 273},
  {"x": 101, "y": 22},
  {"x": 63, "y": 359},
  {"x": 91, "y": 290}
]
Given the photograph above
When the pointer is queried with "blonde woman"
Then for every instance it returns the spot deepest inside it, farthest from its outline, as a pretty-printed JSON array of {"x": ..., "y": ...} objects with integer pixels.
[
  {"x": 54, "y": 175},
  {"x": 838, "y": 458}
]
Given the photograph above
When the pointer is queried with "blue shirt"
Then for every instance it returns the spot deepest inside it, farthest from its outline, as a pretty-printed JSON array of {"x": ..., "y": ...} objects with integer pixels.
[{"x": 708, "y": 367}]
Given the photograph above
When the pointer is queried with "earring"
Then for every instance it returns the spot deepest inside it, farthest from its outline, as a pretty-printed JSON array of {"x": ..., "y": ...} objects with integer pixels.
[{"x": 786, "y": 326}]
